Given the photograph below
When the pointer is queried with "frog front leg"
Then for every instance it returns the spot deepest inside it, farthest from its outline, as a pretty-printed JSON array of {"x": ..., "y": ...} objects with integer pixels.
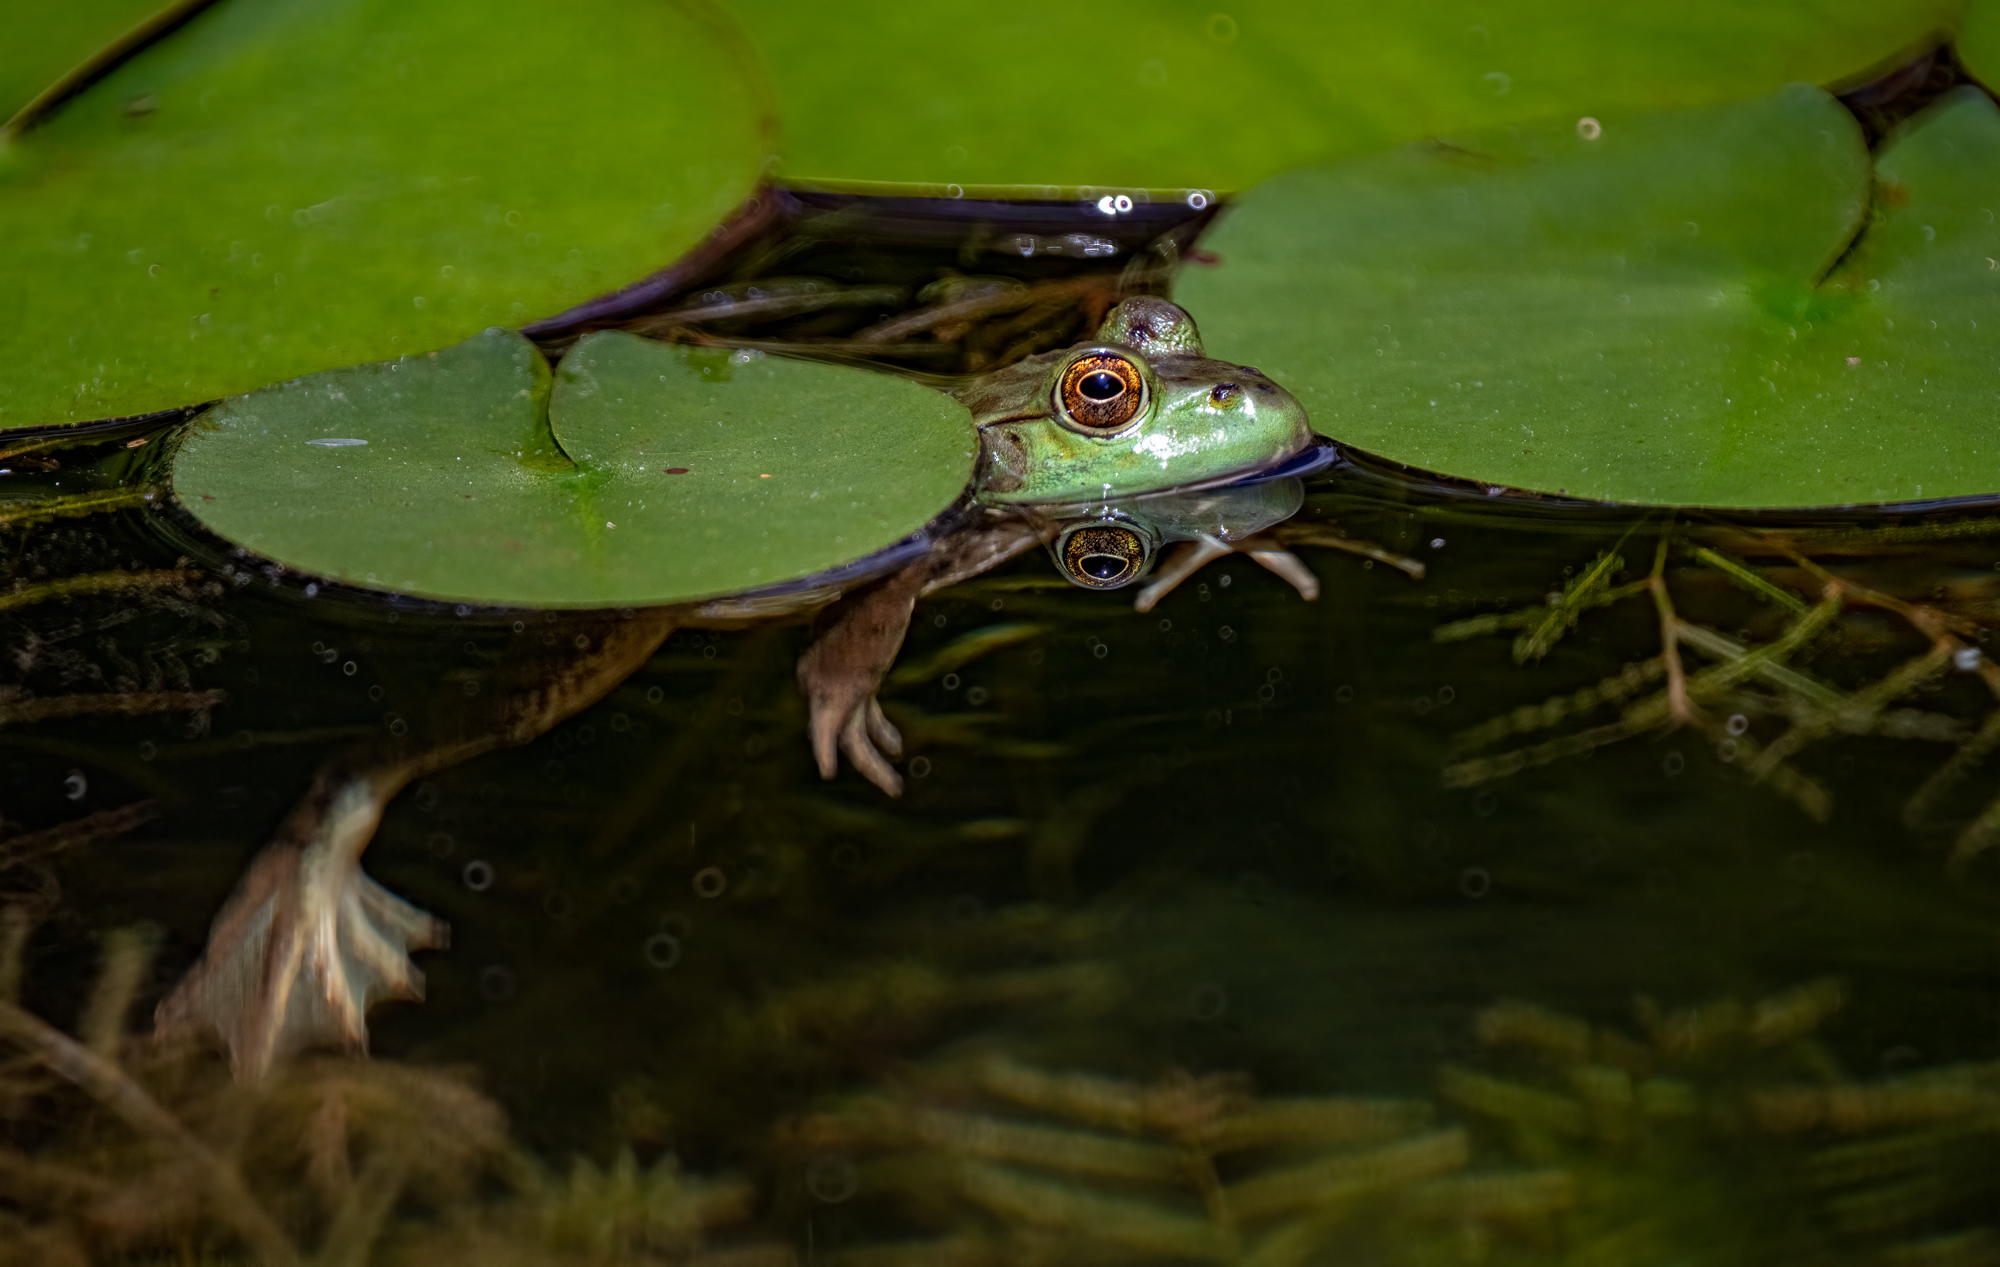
[
  {"x": 308, "y": 941},
  {"x": 856, "y": 640},
  {"x": 1191, "y": 556}
]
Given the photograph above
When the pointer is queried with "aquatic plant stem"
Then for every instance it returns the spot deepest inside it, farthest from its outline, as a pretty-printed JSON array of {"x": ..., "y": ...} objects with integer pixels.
[
  {"x": 115, "y": 703},
  {"x": 980, "y": 306},
  {"x": 98, "y": 583},
  {"x": 35, "y": 846},
  {"x": 114, "y": 1088},
  {"x": 1318, "y": 535},
  {"x": 94, "y": 502},
  {"x": 1678, "y": 706}
]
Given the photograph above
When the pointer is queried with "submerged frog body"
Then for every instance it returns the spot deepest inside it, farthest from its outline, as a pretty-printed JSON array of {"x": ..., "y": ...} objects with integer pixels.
[{"x": 1108, "y": 453}]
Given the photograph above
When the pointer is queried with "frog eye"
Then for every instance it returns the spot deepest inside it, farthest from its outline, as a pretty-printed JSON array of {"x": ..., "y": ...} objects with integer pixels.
[
  {"x": 1103, "y": 556},
  {"x": 1101, "y": 392}
]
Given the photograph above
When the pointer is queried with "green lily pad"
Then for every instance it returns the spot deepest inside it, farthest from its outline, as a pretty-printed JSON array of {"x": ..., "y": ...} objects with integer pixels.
[
  {"x": 46, "y": 41},
  {"x": 1180, "y": 94},
  {"x": 1633, "y": 315},
  {"x": 288, "y": 185},
  {"x": 641, "y": 473},
  {"x": 1978, "y": 41}
]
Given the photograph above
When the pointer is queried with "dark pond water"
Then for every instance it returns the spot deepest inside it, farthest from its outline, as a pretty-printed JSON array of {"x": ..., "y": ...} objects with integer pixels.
[{"x": 1200, "y": 934}]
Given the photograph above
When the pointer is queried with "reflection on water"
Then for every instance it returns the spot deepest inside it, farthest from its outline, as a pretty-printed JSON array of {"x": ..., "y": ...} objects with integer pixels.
[{"x": 1612, "y": 893}]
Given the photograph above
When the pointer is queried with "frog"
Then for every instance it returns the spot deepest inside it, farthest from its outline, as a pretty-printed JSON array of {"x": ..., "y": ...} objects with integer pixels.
[{"x": 1129, "y": 455}]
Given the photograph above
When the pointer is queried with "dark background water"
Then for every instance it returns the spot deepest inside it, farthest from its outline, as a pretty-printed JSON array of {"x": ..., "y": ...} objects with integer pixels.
[{"x": 1224, "y": 819}]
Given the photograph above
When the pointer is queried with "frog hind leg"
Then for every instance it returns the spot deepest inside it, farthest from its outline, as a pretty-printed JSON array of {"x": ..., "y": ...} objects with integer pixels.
[
  {"x": 308, "y": 941},
  {"x": 1192, "y": 556}
]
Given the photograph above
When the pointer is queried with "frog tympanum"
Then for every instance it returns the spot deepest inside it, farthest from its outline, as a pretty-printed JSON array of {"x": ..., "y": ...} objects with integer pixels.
[{"x": 1109, "y": 453}]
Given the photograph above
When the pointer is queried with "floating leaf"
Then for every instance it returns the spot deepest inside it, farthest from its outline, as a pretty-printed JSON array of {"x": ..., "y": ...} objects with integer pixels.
[
  {"x": 46, "y": 41},
  {"x": 1978, "y": 40},
  {"x": 1629, "y": 311},
  {"x": 313, "y": 183},
  {"x": 1177, "y": 93},
  {"x": 695, "y": 473}
]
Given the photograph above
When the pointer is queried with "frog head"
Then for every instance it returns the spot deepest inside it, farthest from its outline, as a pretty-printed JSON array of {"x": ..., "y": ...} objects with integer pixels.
[{"x": 1138, "y": 409}]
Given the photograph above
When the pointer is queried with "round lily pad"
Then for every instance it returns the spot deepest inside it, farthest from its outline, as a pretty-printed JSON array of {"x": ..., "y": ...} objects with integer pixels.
[
  {"x": 640, "y": 473},
  {"x": 283, "y": 186},
  {"x": 1190, "y": 93},
  {"x": 1641, "y": 310}
]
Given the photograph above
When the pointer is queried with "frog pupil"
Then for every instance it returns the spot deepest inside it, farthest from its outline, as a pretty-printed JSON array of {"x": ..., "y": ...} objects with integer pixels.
[
  {"x": 1103, "y": 385},
  {"x": 1104, "y": 567}
]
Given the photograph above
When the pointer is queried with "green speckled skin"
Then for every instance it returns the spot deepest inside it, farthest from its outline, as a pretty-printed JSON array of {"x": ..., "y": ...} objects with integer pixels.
[{"x": 1202, "y": 420}]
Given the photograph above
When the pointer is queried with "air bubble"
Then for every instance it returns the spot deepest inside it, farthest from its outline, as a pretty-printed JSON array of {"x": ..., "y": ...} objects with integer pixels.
[
  {"x": 1475, "y": 882},
  {"x": 1588, "y": 128},
  {"x": 710, "y": 882},
  {"x": 663, "y": 950},
  {"x": 1736, "y": 724},
  {"x": 1208, "y": 1002},
  {"x": 832, "y": 1179},
  {"x": 76, "y": 786},
  {"x": 478, "y": 876}
]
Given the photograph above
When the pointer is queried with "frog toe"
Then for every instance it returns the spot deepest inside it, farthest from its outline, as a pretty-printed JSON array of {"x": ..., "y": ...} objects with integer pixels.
[
  {"x": 882, "y": 731},
  {"x": 296, "y": 957},
  {"x": 860, "y": 748},
  {"x": 1191, "y": 556},
  {"x": 1183, "y": 561},
  {"x": 1275, "y": 558}
]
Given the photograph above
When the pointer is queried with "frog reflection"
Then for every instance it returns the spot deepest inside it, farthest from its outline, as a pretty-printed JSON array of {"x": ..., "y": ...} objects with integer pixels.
[
  {"x": 1136, "y": 431},
  {"x": 1111, "y": 545}
]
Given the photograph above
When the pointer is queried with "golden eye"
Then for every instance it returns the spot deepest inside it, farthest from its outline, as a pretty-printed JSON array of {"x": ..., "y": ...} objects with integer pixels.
[
  {"x": 1102, "y": 392},
  {"x": 1102, "y": 557}
]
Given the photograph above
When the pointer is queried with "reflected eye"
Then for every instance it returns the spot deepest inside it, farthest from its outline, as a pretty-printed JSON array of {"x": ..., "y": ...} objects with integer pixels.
[
  {"x": 1102, "y": 392},
  {"x": 1102, "y": 556}
]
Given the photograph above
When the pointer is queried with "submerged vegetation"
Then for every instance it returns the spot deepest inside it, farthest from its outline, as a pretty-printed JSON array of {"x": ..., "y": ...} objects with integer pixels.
[
  {"x": 1554, "y": 1138},
  {"x": 1758, "y": 701}
]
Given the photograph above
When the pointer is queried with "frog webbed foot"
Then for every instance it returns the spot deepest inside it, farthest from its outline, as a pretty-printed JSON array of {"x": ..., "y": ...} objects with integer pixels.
[
  {"x": 1190, "y": 557},
  {"x": 307, "y": 941}
]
